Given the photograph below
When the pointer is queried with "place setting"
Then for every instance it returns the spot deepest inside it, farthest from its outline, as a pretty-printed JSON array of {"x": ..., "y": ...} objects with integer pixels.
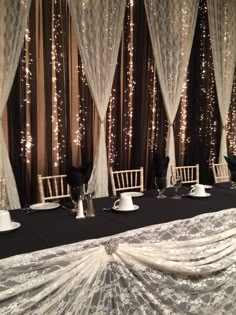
[
  {"x": 199, "y": 191},
  {"x": 42, "y": 206},
  {"x": 6, "y": 223},
  {"x": 124, "y": 204}
]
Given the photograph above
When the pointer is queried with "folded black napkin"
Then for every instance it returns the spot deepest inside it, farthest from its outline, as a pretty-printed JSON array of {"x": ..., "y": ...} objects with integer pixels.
[
  {"x": 77, "y": 176},
  {"x": 160, "y": 165},
  {"x": 231, "y": 161}
]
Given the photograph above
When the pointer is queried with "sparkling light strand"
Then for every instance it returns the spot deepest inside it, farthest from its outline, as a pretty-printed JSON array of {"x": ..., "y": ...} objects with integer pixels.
[
  {"x": 207, "y": 92},
  {"x": 112, "y": 151},
  {"x": 57, "y": 99},
  {"x": 152, "y": 90},
  {"x": 26, "y": 137},
  {"x": 128, "y": 93},
  {"x": 184, "y": 99},
  {"x": 183, "y": 122},
  {"x": 231, "y": 121},
  {"x": 82, "y": 114}
]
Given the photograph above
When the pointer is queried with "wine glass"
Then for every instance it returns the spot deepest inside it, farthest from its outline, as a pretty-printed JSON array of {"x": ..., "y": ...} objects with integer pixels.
[
  {"x": 176, "y": 181},
  {"x": 160, "y": 185},
  {"x": 76, "y": 192}
]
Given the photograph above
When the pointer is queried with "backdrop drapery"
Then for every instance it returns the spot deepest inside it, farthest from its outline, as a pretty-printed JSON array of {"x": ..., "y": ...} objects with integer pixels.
[
  {"x": 54, "y": 108},
  {"x": 13, "y": 19},
  {"x": 180, "y": 267},
  {"x": 98, "y": 26},
  {"x": 222, "y": 24},
  {"x": 172, "y": 25}
]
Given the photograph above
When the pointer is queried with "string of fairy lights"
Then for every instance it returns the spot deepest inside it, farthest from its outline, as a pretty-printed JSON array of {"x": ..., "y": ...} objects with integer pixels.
[
  {"x": 153, "y": 128},
  {"x": 82, "y": 112},
  {"x": 57, "y": 96},
  {"x": 26, "y": 77},
  {"x": 129, "y": 90},
  {"x": 207, "y": 92}
]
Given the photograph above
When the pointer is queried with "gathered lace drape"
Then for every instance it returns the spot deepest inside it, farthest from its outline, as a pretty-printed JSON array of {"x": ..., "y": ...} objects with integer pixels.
[
  {"x": 222, "y": 23},
  {"x": 13, "y": 19},
  {"x": 98, "y": 26},
  {"x": 171, "y": 25},
  {"x": 180, "y": 267}
]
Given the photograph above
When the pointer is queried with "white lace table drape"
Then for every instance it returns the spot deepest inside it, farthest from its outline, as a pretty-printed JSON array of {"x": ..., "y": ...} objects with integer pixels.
[
  {"x": 13, "y": 19},
  {"x": 222, "y": 23},
  {"x": 98, "y": 26},
  {"x": 180, "y": 267},
  {"x": 171, "y": 25}
]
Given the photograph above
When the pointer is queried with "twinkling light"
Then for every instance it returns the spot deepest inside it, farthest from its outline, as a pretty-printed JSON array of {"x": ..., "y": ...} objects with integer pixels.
[
  {"x": 112, "y": 150},
  {"x": 152, "y": 90},
  {"x": 57, "y": 97},
  {"x": 82, "y": 114},
  {"x": 128, "y": 92},
  {"x": 26, "y": 62},
  {"x": 183, "y": 122},
  {"x": 231, "y": 121},
  {"x": 207, "y": 92}
]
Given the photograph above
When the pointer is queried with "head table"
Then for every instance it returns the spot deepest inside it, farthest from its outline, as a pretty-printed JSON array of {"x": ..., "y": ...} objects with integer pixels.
[{"x": 168, "y": 257}]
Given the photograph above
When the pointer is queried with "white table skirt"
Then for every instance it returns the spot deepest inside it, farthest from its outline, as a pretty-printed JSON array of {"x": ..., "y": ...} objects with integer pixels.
[{"x": 180, "y": 267}]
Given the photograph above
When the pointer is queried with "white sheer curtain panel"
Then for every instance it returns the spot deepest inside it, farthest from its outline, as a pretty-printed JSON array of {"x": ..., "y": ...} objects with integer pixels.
[
  {"x": 180, "y": 267},
  {"x": 13, "y": 21},
  {"x": 98, "y": 26},
  {"x": 222, "y": 23},
  {"x": 171, "y": 26}
]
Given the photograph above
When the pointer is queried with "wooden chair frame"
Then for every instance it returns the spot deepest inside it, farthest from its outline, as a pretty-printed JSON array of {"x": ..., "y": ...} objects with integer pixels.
[
  {"x": 124, "y": 180},
  {"x": 53, "y": 187},
  {"x": 221, "y": 172},
  {"x": 189, "y": 174}
]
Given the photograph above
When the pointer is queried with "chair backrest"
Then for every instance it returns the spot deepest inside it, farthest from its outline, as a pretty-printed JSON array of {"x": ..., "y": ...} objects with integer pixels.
[
  {"x": 127, "y": 180},
  {"x": 221, "y": 172},
  {"x": 2, "y": 193},
  {"x": 189, "y": 174},
  {"x": 53, "y": 187}
]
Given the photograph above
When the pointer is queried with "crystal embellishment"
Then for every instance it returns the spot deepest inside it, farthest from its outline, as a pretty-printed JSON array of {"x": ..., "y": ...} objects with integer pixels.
[{"x": 111, "y": 246}]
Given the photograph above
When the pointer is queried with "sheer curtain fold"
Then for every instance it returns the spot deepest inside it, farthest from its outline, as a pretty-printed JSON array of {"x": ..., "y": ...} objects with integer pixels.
[
  {"x": 222, "y": 24},
  {"x": 179, "y": 267},
  {"x": 171, "y": 25},
  {"x": 13, "y": 20},
  {"x": 98, "y": 26}
]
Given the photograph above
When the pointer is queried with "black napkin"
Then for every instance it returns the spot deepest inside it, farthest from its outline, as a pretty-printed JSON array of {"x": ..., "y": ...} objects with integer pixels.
[
  {"x": 77, "y": 176},
  {"x": 160, "y": 165},
  {"x": 231, "y": 161}
]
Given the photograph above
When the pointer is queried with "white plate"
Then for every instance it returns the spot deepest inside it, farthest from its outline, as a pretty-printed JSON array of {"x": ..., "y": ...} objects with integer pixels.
[
  {"x": 45, "y": 206},
  {"x": 14, "y": 226},
  {"x": 134, "y": 209},
  {"x": 197, "y": 196},
  {"x": 133, "y": 193},
  {"x": 205, "y": 186}
]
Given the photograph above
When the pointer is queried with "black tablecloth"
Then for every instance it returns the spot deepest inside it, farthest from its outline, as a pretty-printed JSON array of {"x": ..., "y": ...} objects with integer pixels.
[{"x": 44, "y": 229}]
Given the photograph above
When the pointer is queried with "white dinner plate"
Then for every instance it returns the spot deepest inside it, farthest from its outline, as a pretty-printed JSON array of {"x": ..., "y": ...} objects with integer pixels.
[
  {"x": 134, "y": 209},
  {"x": 45, "y": 206},
  {"x": 132, "y": 193},
  {"x": 14, "y": 226},
  {"x": 197, "y": 196},
  {"x": 205, "y": 186}
]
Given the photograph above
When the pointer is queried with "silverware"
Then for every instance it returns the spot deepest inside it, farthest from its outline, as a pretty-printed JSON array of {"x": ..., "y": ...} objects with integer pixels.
[{"x": 106, "y": 209}]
